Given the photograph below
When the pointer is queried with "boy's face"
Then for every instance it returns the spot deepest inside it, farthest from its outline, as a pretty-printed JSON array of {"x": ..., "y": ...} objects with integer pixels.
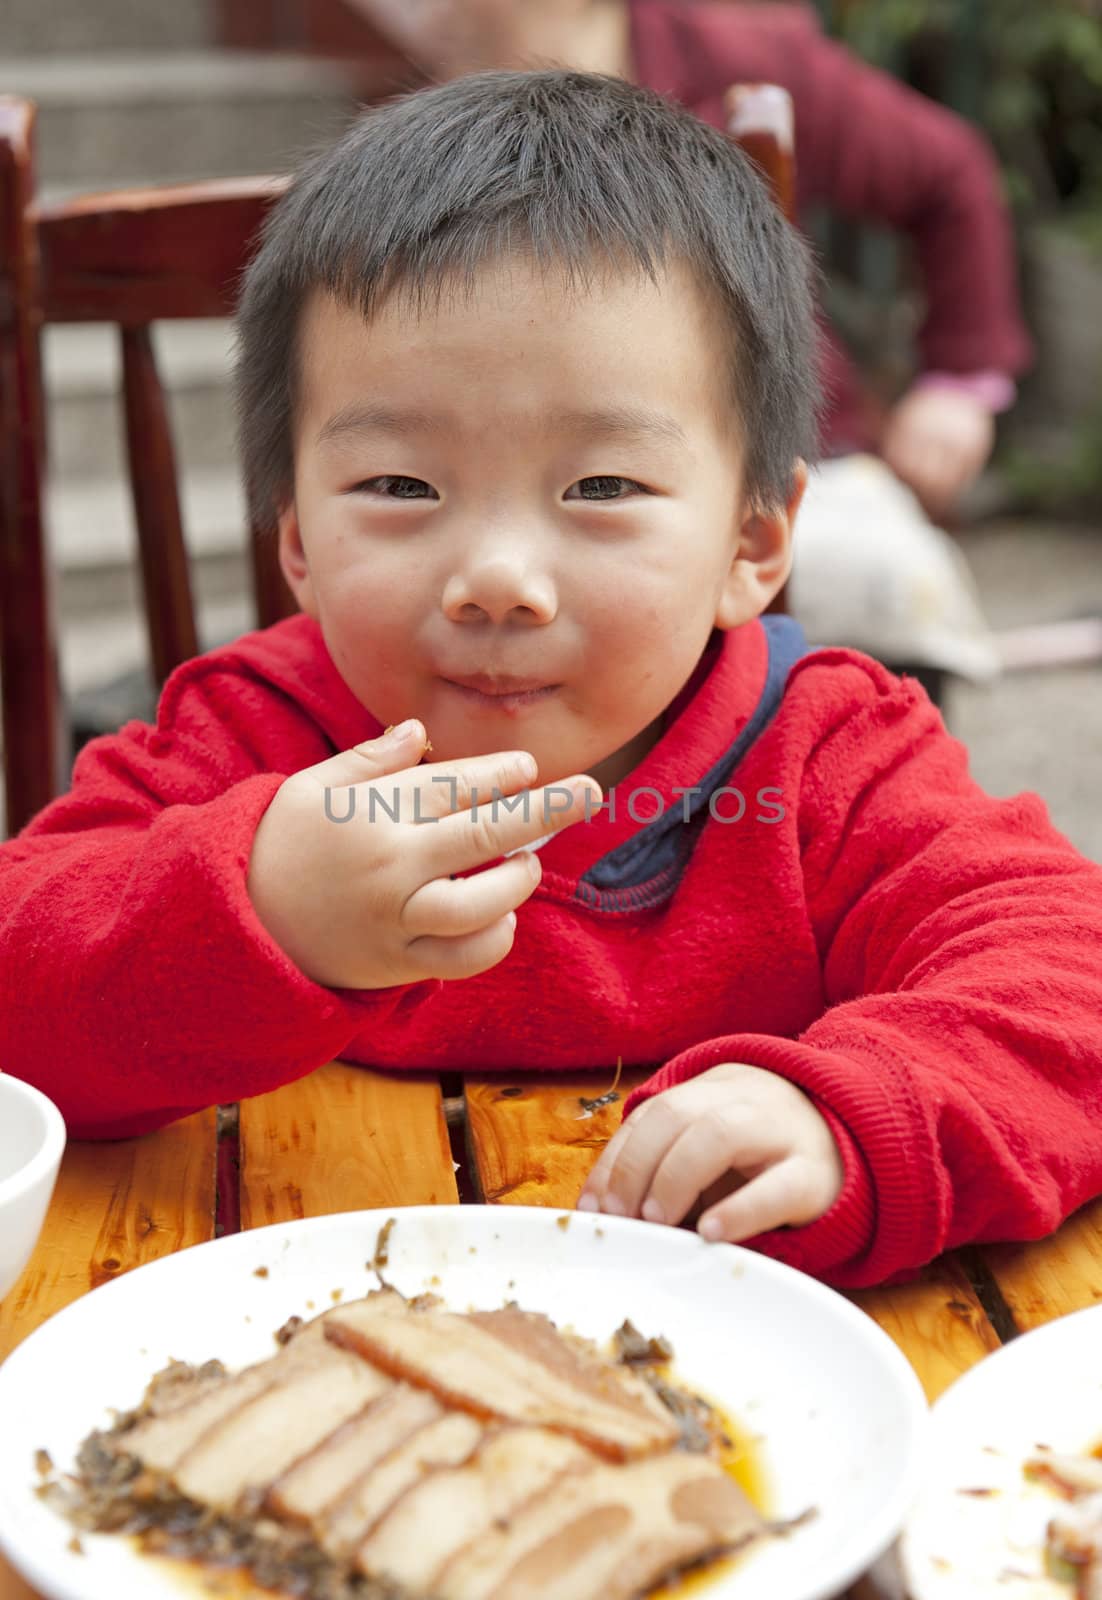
[{"x": 537, "y": 486}]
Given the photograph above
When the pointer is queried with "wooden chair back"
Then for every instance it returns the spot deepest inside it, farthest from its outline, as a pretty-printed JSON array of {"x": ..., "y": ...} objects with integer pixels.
[{"x": 132, "y": 258}]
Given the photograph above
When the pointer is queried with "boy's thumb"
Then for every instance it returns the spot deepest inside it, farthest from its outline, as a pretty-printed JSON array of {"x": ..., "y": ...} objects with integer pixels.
[{"x": 391, "y": 751}]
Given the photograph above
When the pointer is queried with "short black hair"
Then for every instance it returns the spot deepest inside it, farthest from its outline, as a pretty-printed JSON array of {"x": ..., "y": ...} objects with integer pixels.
[{"x": 578, "y": 170}]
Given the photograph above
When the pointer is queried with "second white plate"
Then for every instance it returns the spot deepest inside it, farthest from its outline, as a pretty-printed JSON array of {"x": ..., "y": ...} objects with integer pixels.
[{"x": 978, "y": 1529}]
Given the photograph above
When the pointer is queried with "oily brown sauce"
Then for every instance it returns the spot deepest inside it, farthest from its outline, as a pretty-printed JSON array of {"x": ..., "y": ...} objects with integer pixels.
[
  {"x": 234, "y": 1583},
  {"x": 744, "y": 1461}
]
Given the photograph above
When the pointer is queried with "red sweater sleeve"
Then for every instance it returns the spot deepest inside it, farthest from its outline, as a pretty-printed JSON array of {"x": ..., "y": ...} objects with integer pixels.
[
  {"x": 136, "y": 982},
  {"x": 959, "y": 1054},
  {"x": 872, "y": 148}
]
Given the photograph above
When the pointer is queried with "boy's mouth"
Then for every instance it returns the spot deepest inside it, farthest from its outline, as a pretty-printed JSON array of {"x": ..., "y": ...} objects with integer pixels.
[
  {"x": 501, "y": 694},
  {"x": 496, "y": 683}
]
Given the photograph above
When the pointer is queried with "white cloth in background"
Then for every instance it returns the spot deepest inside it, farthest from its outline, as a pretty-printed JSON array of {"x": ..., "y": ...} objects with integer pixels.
[{"x": 871, "y": 571}]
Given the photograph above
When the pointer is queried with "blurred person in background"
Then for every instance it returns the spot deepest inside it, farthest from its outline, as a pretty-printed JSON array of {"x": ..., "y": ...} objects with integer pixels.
[{"x": 871, "y": 569}]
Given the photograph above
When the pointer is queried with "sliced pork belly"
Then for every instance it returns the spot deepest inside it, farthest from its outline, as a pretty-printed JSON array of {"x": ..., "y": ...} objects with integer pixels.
[
  {"x": 446, "y": 1510},
  {"x": 180, "y": 1385},
  {"x": 1071, "y": 1475},
  {"x": 606, "y": 1534},
  {"x": 1075, "y": 1532},
  {"x": 443, "y": 1443},
  {"x": 161, "y": 1440},
  {"x": 509, "y": 1365},
  {"x": 319, "y": 1480},
  {"x": 256, "y": 1443}
]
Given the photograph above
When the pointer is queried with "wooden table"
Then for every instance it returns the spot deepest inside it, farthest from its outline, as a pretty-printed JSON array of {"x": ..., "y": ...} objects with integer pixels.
[{"x": 345, "y": 1139}]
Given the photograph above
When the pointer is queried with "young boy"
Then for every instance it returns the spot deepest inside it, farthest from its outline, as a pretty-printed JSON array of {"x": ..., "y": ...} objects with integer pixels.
[{"x": 525, "y": 384}]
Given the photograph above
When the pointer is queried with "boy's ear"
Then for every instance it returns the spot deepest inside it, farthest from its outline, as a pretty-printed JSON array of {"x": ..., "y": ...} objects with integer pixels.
[
  {"x": 762, "y": 559},
  {"x": 292, "y": 560}
]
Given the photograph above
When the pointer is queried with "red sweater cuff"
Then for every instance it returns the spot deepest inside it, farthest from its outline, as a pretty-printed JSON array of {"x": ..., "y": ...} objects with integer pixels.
[
  {"x": 995, "y": 391},
  {"x": 249, "y": 1019},
  {"x": 882, "y": 1222},
  {"x": 842, "y": 1235}
]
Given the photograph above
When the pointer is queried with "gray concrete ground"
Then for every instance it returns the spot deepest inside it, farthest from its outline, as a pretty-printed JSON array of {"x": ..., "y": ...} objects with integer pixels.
[{"x": 1040, "y": 729}]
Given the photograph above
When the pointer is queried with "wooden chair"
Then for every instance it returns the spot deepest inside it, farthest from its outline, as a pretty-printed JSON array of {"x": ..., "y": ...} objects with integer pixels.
[{"x": 131, "y": 258}]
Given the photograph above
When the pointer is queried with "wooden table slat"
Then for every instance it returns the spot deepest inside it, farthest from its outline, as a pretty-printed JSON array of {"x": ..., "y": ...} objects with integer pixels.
[
  {"x": 937, "y": 1322},
  {"x": 343, "y": 1139},
  {"x": 116, "y": 1206},
  {"x": 12, "y": 1586},
  {"x": 1051, "y": 1277},
  {"x": 531, "y": 1143}
]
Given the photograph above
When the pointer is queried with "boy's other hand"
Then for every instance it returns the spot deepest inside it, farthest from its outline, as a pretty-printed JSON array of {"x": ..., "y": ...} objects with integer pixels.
[
  {"x": 938, "y": 441},
  {"x": 736, "y": 1131},
  {"x": 368, "y": 902}
]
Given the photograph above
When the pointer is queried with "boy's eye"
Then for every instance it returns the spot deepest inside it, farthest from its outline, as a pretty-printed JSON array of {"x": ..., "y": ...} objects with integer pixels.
[
  {"x": 404, "y": 488},
  {"x": 604, "y": 483},
  {"x": 396, "y": 486}
]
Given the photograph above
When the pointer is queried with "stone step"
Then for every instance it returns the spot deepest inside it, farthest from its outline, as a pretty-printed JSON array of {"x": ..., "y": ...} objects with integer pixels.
[
  {"x": 82, "y": 369},
  {"x": 90, "y": 594},
  {"x": 100, "y": 619},
  {"x": 97, "y": 650},
  {"x": 171, "y": 118},
  {"x": 98, "y": 602},
  {"x": 91, "y": 524},
  {"x": 32, "y": 28}
]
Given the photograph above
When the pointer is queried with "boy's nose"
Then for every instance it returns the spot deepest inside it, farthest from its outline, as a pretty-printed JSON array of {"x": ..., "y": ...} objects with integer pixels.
[{"x": 499, "y": 589}]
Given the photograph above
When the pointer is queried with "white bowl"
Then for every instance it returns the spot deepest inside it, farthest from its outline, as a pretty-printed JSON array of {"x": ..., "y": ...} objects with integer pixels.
[{"x": 32, "y": 1138}]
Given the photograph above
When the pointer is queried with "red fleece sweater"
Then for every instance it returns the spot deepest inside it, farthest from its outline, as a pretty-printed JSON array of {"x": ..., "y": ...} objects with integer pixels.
[
  {"x": 871, "y": 148},
  {"x": 923, "y": 960}
]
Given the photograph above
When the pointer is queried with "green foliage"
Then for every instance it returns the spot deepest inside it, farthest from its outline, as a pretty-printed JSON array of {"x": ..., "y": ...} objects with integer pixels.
[
  {"x": 1067, "y": 482},
  {"x": 1029, "y": 71}
]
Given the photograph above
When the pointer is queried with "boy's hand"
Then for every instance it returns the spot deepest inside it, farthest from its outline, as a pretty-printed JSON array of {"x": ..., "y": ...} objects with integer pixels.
[
  {"x": 367, "y": 903},
  {"x": 735, "y": 1128}
]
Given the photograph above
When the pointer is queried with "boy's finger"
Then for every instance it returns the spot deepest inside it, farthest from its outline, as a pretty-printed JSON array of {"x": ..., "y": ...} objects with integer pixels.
[
  {"x": 419, "y": 792},
  {"x": 493, "y": 828},
  {"x": 774, "y": 1199},
  {"x": 449, "y": 910},
  {"x": 444, "y": 788},
  {"x": 631, "y": 1158},
  {"x": 393, "y": 750},
  {"x": 466, "y": 957},
  {"x": 596, "y": 1184},
  {"x": 710, "y": 1146}
]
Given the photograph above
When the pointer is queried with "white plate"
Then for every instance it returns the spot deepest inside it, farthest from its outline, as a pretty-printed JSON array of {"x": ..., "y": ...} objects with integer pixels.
[
  {"x": 840, "y": 1411},
  {"x": 1043, "y": 1388}
]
